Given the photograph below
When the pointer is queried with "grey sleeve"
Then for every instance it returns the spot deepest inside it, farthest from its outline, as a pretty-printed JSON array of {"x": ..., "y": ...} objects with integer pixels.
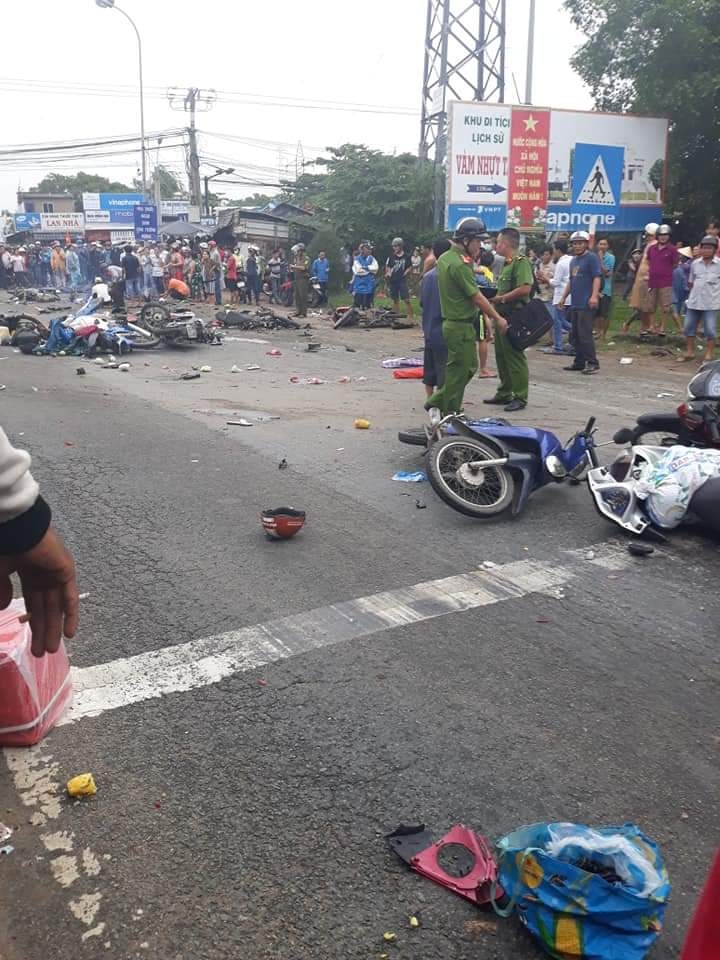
[{"x": 18, "y": 490}]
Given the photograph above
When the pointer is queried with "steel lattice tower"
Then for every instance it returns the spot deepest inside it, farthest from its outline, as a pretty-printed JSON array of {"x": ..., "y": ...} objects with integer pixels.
[{"x": 464, "y": 60}]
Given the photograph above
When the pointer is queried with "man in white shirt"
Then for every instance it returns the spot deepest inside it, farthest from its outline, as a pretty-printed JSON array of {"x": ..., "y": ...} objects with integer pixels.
[{"x": 558, "y": 282}]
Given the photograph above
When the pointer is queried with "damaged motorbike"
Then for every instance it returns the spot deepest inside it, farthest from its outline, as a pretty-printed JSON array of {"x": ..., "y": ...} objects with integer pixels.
[
  {"x": 483, "y": 468},
  {"x": 649, "y": 489}
]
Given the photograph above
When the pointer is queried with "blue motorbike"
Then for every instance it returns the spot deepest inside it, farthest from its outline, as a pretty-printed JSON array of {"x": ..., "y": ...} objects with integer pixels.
[{"x": 484, "y": 467}]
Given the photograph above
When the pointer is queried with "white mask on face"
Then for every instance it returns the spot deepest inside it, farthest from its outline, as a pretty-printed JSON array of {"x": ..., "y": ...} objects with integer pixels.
[{"x": 487, "y": 246}]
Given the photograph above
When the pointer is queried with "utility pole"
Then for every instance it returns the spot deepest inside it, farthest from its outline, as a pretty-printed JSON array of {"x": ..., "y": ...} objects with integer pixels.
[
  {"x": 530, "y": 52},
  {"x": 190, "y": 101}
]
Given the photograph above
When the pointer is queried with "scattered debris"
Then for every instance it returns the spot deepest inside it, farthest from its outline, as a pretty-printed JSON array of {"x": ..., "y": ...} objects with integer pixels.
[
  {"x": 396, "y": 363},
  {"x": 7, "y": 850},
  {"x": 273, "y": 353},
  {"x": 420, "y": 505},
  {"x": 234, "y": 368},
  {"x": 69, "y": 443},
  {"x": 313, "y": 347},
  {"x": 360, "y": 379},
  {"x": 414, "y": 922},
  {"x": 415, "y": 373},
  {"x": 83, "y": 596},
  {"x": 80, "y": 371},
  {"x": 639, "y": 549},
  {"x": 488, "y": 565},
  {"x": 626, "y": 360},
  {"x": 662, "y": 396},
  {"x": 283, "y": 465},
  {"x": 253, "y": 366},
  {"x": 5, "y": 832},
  {"x": 350, "y": 349},
  {"x": 189, "y": 376},
  {"x": 462, "y": 860},
  {"x": 361, "y": 424},
  {"x": 34, "y": 389},
  {"x": 99, "y": 362},
  {"x": 590, "y": 555},
  {"x": 294, "y": 379},
  {"x": 344, "y": 379},
  {"x": 124, "y": 367},
  {"x": 239, "y": 423},
  {"x": 389, "y": 936},
  {"x": 83, "y": 785},
  {"x": 282, "y": 523},
  {"x": 314, "y": 381},
  {"x": 3, "y": 386},
  {"x": 205, "y": 368},
  {"x": 410, "y": 476}
]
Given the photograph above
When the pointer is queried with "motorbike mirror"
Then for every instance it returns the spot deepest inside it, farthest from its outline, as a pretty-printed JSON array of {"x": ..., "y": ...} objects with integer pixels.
[{"x": 623, "y": 436}]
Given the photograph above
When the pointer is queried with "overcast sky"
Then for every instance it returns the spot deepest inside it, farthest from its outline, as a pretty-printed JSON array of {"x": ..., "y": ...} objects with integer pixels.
[{"x": 69, "y": 72}]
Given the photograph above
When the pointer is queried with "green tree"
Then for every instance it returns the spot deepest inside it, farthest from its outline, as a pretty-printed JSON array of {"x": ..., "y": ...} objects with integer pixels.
[
  {"x": 170, "y": 186},
  {"x": 370, "y": 194},
  {"x": 661, "y": 58},
  {"x": 77, "y": 184}
]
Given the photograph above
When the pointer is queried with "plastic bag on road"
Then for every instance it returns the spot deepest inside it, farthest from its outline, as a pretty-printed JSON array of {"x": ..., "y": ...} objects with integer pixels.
[
  {"x": 34, "y": 691},
  {"x": 582, "y": 892},
  {"x": 668, "y": 485}
]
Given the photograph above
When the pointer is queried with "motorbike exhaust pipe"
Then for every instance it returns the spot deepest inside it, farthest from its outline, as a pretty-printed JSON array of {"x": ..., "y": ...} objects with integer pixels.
[{"x": 481, "y": 464}]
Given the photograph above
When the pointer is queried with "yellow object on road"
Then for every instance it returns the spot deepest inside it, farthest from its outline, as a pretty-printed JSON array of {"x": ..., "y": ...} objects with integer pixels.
[
  {"x": 362, "y": 424},
  {"x": 82, "y": 786}
]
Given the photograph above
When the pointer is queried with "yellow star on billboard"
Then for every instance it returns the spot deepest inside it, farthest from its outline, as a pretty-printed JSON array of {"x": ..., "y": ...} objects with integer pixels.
[{"x": 531, "y": 123}]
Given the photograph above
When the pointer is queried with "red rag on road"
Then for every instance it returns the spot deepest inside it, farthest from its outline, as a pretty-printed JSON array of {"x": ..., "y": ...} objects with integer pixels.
[
  {"x": 703, "y": 937},
  {"x": 415, "y": 373}
]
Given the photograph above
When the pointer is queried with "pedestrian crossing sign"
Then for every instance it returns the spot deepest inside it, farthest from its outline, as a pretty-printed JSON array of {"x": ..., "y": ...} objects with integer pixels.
[{"x": 597, "y": 175}]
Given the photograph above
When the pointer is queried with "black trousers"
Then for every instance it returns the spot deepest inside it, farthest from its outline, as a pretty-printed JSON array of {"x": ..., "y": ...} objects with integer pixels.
[{"x": 582, "y": 337}]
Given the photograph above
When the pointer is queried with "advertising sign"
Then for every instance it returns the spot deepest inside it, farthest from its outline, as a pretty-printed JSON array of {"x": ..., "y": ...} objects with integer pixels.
[
  {"x": 67, "y": 222},
  {"x": 106, "y": 210},
  {"x": 146, "y": 221},
  {"x": 542, "y": 169},
  {"x": 27, "y": 221}
]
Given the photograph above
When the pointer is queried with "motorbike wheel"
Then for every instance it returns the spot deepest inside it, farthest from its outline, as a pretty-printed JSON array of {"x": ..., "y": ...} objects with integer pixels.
[
  {"x": 155, "y": 316},
  {"x": 484, "y": 493},
  {"x": 144, "y": 343},
  {"x": 656, "y": 438}
]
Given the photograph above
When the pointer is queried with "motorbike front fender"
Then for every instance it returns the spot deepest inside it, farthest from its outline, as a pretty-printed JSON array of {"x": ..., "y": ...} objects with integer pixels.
[{"x": 525, "y": 467}]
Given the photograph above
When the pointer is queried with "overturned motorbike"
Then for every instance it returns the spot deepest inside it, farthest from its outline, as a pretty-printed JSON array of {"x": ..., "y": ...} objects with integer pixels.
[
  {"x": 175, "y": 326},
  {"x": 695, "y": 423},
  {"x": 483, "y": 468},
  {"x": 649, "y": 489}
]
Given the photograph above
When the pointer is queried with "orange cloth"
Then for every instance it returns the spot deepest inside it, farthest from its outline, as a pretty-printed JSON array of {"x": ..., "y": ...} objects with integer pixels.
[{"x": 179, "y": 286}]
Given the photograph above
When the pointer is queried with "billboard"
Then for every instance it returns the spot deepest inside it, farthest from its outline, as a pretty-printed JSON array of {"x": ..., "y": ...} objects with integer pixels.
[
  {"x": 57, "y": 222},
  {"x": 106, "y": 210},
  {"x": 542, "y": 169},
  {"x": 145, "y": 221},
  {"x": 27, "y": 221}
]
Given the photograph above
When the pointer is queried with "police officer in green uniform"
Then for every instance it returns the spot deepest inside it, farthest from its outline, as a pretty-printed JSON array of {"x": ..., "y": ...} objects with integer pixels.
[
  {"x": 460, "y": 301},
  {"x": 514, "y": 289},
  {"x": 301, "y": 267}
]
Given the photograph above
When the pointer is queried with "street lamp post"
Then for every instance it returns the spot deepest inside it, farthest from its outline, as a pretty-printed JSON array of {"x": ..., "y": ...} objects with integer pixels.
[
  {"x": 218, "y": 173},
  {"x": 110, "y": 5}
]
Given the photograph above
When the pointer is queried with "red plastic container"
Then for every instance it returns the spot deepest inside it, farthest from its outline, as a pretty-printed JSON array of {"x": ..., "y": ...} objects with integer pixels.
[{"x": 34, "y": 691}]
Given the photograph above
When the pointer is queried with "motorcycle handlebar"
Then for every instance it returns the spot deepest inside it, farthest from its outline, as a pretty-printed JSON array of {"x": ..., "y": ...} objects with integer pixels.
[{"x": 589, "y": 426}]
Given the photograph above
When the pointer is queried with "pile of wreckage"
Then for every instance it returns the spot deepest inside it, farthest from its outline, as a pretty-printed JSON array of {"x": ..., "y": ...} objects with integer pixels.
[{"x": 371, "y": 319}]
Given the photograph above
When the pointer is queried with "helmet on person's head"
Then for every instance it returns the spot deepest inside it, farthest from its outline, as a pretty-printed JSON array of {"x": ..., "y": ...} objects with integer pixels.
[
  {"x": 364, "y": 243},
  {"x": 580, "y": 235},
  {"x": 664, "y": 229},
  {"x": 299, "y": 246},
  {"x": 709, "y": 241},
  {"x": 97, "y": 280},
  {"x": 651, "y": 229},
  {"x": 470, "y": 228},
  {"x": 397, "y": 242}
]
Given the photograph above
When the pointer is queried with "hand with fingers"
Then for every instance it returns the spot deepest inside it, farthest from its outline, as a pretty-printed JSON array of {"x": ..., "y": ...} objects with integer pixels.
[{"x": 47, "y": 577}]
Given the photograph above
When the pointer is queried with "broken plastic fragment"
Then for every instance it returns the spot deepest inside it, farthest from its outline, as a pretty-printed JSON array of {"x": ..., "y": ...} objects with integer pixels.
[
  {"x": 389, "y": 936},
  {"x": 414, "y": 922},
  {"x": 82, "y": 786},
  {"x": 253, "y": 366},
  {"x": 239, "y": 423},
  {"x": 206, "y": 368},
  {"x": 234, "y": 368},
  {"x": 410, "y": 476},
  {"x": 361, "y": 424}
]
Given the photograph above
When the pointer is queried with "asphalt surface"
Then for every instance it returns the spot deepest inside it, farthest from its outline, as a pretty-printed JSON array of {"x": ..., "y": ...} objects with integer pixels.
[{"x": 245, "y": 819}]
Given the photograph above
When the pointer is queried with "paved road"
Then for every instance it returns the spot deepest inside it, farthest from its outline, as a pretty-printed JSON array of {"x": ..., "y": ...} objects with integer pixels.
[{"x": 244, "y": 818}]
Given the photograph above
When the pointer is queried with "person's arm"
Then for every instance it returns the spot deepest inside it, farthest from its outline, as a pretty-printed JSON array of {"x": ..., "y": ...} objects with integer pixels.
[
  {"x": 30, "y": 548},
  {"x": 373, "y": 266},
  {"x": 594, "y": 299},
  {"x": 489, "y": 310},
  {"x": 408, "y": 270},
  {"x": 523, "y": 290},
  {"x": 566, "y": 294}
]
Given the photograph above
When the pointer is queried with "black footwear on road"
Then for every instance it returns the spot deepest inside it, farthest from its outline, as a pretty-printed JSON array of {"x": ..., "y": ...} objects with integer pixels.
[
  {"x": 576, "y": 369},
  {"x": 495, "y": 400},
  {"x": 515, "y": 405}
]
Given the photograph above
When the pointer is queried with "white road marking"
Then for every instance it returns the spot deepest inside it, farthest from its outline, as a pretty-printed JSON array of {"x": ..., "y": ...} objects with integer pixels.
[{"x": 197, "y": 663}]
